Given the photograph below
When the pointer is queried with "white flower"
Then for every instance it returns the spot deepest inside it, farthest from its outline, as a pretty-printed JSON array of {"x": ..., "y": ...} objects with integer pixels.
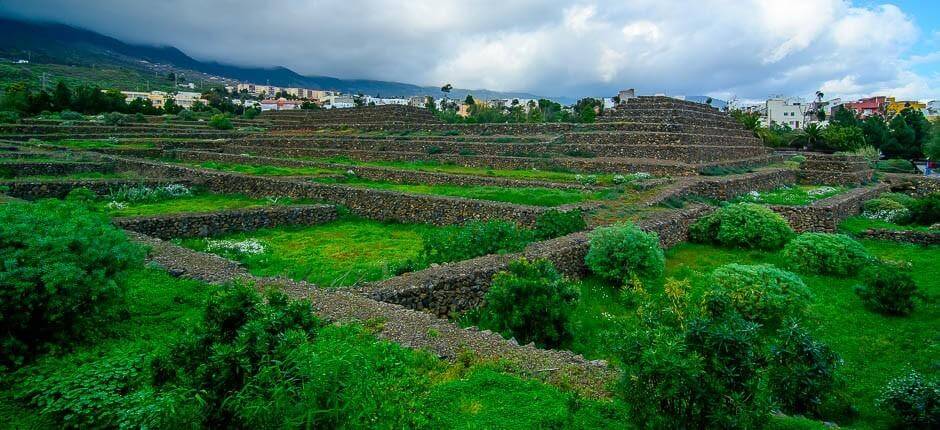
[
  {"x": 116, "y": 205},
  {"x": 247, "y": 246},
  {"x": 821, "y": 191}
]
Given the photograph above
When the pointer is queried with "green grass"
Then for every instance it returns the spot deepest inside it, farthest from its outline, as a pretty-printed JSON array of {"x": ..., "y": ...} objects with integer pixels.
[
  {"x": 792, "y": 196},
  {"x": 535, "y": 196},
  {"x": 104, "y": 75},
  {"x": 264, "y": 170},
  {"x": 858, "y": 224},
  {"x": 104, "y": 377},
  {"x": 338, "y": 253},
  {"x": 875, "y": 348},
  {"x": 198, "y": 202},
  {"x": 438, "y": 167},
  {"x": 79, "y": 176}
]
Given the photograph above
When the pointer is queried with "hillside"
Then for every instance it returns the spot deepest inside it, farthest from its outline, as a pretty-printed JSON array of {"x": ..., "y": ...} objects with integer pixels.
[{"x": 57, "y": 44}]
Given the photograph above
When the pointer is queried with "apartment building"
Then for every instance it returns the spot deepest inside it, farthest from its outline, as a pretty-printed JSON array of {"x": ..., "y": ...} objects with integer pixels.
[{"x": 787, "y": 112}]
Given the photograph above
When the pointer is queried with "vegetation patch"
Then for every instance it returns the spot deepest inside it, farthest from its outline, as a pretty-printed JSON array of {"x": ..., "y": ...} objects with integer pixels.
[
  {"x": 791, "y": 196},
  {"x": 265, "y": 170}
]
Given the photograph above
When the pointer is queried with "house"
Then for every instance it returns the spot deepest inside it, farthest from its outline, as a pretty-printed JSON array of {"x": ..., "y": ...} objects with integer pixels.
[
  {"x": 279, "y": 104},
  {"x": 187, "y": 99},
  {"x": 339, "y": 102},
  {"x": 782, "y": 111},
  {"x": 865, "y": 108},
  {"x": 417, "y": 101},
  {"x": 893, "y": 106}
]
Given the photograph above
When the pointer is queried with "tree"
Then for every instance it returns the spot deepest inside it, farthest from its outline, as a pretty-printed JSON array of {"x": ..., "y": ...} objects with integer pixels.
[
  {"x": 61, "y": 97},
  {"x": 932, "y": 146},
  {"x": 921, "y": 126},
  {"x": 844, "y": 117},
  {"x": 446, "y": 89},
  {"x": 171, "y": 107},
  {"x": 810, "y": 137},
  {"x": 876, "y": 131},
  {"x": 905, "y": 139},
  {"x": 469, "y": 101}
]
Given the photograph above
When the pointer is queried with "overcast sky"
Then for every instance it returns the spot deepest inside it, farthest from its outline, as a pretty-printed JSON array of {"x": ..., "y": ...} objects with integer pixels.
[{"x": 746, "y": 48}]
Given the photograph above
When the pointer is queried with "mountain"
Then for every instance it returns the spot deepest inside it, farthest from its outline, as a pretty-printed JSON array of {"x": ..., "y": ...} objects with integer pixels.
[{"x": 63, "y": 44}]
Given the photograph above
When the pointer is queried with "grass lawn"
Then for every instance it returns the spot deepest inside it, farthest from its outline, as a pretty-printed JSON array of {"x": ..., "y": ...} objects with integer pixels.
[
  {"x": 101, "y": 382},
  {"x": 874, "y": 348},
  {"x": 792, "y": 196},
  {"x": 858, "y": 224},
  {"x": 198, "y": 202},
  {"x": 535, "y": 196},
  {"x": 263, "y": 170},
  {"x": 338, "y": 253},
  {"x": 438, "y": 167}
]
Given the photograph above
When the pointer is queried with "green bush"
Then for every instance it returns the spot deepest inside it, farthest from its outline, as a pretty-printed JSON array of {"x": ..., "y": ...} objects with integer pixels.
[
  {"x": 901, "y": 198},
  {"x": 9, "y": 117},
  {"x": 531, "y": 302},
  {"x": 114, "y": 118},
  {"x": 554, "y": 223},
  {"x": 68, "y": 115},
  {"x": 926, "y": 210},
  {"x": 620, "y": 252},
  {"x": 251, "y": 113},
  {"x": 895, "y": 165},
  {"x": 887, "y": 288},
  {"x": 886, "y": 209},
  {"x": 431, "y": 150},
  {"x": 912, "y": 400},
  {"x": 220, "y": 122},
  {"x": 62, "y": 264},
  {"x": 473, "y": 239},
  {"x": 186, "y": 115},
  {"x": 826, "y": 254},
  {"x": 802, "y": 370},
  {"x": 743, "y": 225},
  {"x": 761, "y": 293},
  {"x": 139, "y": 117}
]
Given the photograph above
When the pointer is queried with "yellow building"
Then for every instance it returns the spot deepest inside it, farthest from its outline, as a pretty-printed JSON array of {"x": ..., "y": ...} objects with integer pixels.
[{"x": 893, "y": 106}]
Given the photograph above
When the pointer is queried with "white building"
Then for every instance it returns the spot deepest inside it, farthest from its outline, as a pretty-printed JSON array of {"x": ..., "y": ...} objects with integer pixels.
[
  {"x": 933, "y": 107},
  {"x": 782, "y": 111},
  {"x": 339, "y": 102},
  {"x": 279, "y": 104},
  {"x": 380, "y": 101}
]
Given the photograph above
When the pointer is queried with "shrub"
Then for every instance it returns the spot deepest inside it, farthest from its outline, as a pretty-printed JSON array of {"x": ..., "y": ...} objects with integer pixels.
[
  {"x": 825, "y": 253},
  {"x": 114, "y": 118},
  {"x": 81, "y": 194},
  {"x": 186, "y": 115},
  {"x": 761, "y": 293},
  {"x": 802, "y": 370},
  {"x": 532, "y": 302},
  {"x": 431, "y": 150},
  {"x": 619, "y": 252},
  {"x": 473, "y": 239},
  {"x": 901, "y": 198},
  {"x": 9, "y": 117},
  {"x": 251, "y": 113},
  {"x": 139, "y": 117},
  {"x": 887, "y": 288},
  {"x": 884, "y": 209},
  {"x": 926, "y": 210},
  {"x": 895, "y": 165},
  {"x": 554, "y": 223},
  {"x": 68, "y": 115},
  {"x": 912, "y": 400},
  {"x": 140, "y": 193},
  {"x": 62, "y": 264},
  {"x": 743, "y": 225},
  {"x": 220, "y": 122}
]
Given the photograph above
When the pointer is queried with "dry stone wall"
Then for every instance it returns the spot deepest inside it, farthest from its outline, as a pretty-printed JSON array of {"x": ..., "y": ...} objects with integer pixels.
[
  {"x": 826, "y": 214},
  {"x": 35, "y": 168},
  {"x": 31, "y": 190},
  {"x": 216, "y": 223}
]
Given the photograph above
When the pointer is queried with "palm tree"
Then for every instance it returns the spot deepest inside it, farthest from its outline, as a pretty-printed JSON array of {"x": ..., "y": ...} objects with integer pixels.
[{"x": 809, "y": 137}]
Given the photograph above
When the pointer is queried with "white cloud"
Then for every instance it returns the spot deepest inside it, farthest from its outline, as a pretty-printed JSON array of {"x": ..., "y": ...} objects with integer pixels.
[{"x": 747, "y": 48}]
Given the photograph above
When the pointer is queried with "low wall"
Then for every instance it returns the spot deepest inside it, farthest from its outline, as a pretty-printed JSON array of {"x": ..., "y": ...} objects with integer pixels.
[
  {"x": 915, "y": 185},
  {"x": 52, "y": 168},
  {"x": 460, "y": 286},
  {"x": 924, "y": 238},
  {"x": 216, "y": 223},
  {"x": 728, "y": 187},
  {"x": 369, "y": 203},
  {"x": 31, "y": 190},
  {"x": 826, "y": 214}
]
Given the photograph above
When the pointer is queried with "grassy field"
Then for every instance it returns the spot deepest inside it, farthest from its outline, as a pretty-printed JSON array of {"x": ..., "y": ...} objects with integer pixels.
[
  {"x": 264, "y": 170},
  {"x": 339, "y": 253},
  {"x": 99, "y": 381},
  {"x": 858, "y": 224},
  {"x": 792, "y": 196},
  {"x": 438, "y": 167},
  {"x": 198, "y": 202},
  {"x": 535, "y": 196},
  {"x": 108, "y": 76}
]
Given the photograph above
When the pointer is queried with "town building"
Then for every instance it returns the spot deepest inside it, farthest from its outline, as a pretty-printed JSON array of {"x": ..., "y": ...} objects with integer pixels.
[
  {"x": 339, "y": 102},
  {"x": 894, "y": 106},
  {"x": 867, "y": 107},
  {"x": 279, "y": 104},
  {"x": 786, "y": 112}
]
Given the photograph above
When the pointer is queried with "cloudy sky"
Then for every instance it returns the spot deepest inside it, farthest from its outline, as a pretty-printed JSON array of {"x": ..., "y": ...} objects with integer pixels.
[{"x": 750, "y": 49}]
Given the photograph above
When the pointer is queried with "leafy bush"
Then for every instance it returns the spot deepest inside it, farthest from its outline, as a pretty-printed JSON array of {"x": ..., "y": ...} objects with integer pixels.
[
  {"x": 802, "y": 370},
  {"x": 141, "y": 193},
  {"x": 139, "y": 117},
  {"x": 186, "y": 115},
  {"x": 68, "y": 115},
  {"x": 554, "y": 223},
  {"x": 532, "y": 302},
  {"x": 926, "y": 210},
  {"x": 887, "y": 288},
  {"x": 895, "y": 165},
  {"x": 62, "y": 264},
  {"x": 743, "y": 225},
  {"x": 431, "y": 150},
  {"x": 901, "y": 198},
  {"x": 698, "y": 367},
  {"x": 220, "y": 122},
  {"x": 251, "y": 113},
  {"x": 9, "y": 117},
  {"x": 620, "y": 252},
  {"x": 885, "y": 209},
  {"x": 761, "y": 293},
  {"x": 114, "y": 118},
  {"x": 913, "y": 400},
  {"x": 843, "y": 138},
  {"x": 473, "y": 239},
  {"x": 826, "y": 253},
  {"x": 869, "y": 153}
]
